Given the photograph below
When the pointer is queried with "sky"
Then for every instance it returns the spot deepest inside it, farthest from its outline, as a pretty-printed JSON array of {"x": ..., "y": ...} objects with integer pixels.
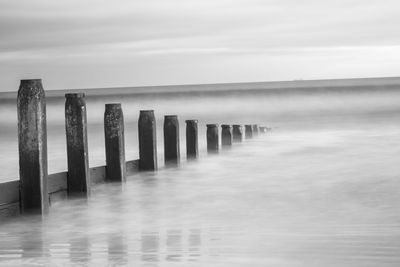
[{"x": 72, "y": 44}]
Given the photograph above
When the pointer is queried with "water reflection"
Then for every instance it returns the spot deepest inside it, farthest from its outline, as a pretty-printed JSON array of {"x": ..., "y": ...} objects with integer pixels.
[
  {"x": 61, "y": 251},
  {"x": 174, "y": 245},
  {"x": 117, "y": 249},
  {"x": 194, "y": 244},
  {"x": 79, "y": 249},
  {"x": 232, "y": 211},
  {"x": 32, "y": 242},
  {"x": 150, "y": 246}
]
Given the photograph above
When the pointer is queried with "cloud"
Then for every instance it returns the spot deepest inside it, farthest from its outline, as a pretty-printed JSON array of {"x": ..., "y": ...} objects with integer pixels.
[{"x": 101, "y": 33}]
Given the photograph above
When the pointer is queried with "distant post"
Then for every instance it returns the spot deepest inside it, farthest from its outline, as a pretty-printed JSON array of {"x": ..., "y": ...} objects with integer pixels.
[
  {"x": 192, "y": 150},
  {"x": 248, "y": 131},
  {"x": 171, "y": 140},
  {"x": 212, "y": 138},
  {"x": 147, "y": 141},
  {"x": 226, "y": 135},
  {"x": 237, "y": 132},
  {"x": 255, "y": 129},
  {"x": 114, "y": 143},
  {"x": 77, "y": 145},
  {"x": 32, "y": 140}
]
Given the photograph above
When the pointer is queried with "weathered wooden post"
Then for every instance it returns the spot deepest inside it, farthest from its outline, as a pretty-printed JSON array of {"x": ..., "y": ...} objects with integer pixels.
[
  {"x": 32, "y": 140},
  {"x": 255, "y": 129},
  {"x": 249, "y": 131},
  {"x": 237, "y": 132},
  {"x": 147, "y": 141},
  {"x": 226, "y": 135},
  {"x": 192, "y": 150},
  {"x": 212, "y": 138},
  {"x": 171, "y": 140},
  {"x": 114, "y": 143},
  {"x": 78, "y": 179}
]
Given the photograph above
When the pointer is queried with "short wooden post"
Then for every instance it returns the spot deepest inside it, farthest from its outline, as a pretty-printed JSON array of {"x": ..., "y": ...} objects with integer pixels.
[
  {"x": 255, "y": 129},
  {"x": 78, "y": 179},
  {"x": 32, "y": 140},
  {"x": 212, "y": 138},
  {"x": 114, "y": 143},
  {"x": 147, "y": 141},
  {"x": 192, "y": 150},
  {"x": 226, "y": 135},
  {"x": 248, "y": 131},
  {"x": 237, "y": 132},
  {"x": 171, "y": 140}
]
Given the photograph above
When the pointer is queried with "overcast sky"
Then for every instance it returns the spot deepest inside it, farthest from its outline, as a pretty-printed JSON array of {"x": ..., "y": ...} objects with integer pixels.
[{"x": 103, "y": 43}]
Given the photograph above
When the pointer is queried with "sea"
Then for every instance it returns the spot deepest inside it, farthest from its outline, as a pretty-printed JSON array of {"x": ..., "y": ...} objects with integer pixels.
[{"x": 321, "y": 188}]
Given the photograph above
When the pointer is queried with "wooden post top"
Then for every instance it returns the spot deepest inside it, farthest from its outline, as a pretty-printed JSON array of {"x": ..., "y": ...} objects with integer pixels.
[
  {"x": 75, "y": 95},
  {"x": 27, "y": 82},
  {"x": 113, "y": 105},
  {"x": 170, "y": 116},
  {"x": 29, "y": 89},
  {"x": 150, "y": 111}
]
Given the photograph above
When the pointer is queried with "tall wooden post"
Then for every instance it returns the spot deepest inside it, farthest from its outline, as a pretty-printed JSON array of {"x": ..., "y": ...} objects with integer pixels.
[
  {"x": 192, "y": 150},
  {"x": 192, "y": 139},
  {"x": 226, "y": 135},
  {"x": 77, "y": 145},
  {"x": 249, "y": 131},
  {"x": 237, "y": 132},
  {"x": 171, "y": 140},
  {"x": 255, "y": 129},
  {"x": 147, "y": 141},
  {"x": 212, "y": 138},
  {"x": 114, "y": 143},
  {"x": 32, "y": 140}
]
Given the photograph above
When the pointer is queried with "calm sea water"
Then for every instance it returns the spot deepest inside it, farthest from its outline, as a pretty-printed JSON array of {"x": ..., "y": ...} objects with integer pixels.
[{"x": 321, "y": 189}]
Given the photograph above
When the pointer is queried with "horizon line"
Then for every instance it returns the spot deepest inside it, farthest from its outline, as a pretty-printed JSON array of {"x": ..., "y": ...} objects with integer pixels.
[{"x": 218, "y": 83}]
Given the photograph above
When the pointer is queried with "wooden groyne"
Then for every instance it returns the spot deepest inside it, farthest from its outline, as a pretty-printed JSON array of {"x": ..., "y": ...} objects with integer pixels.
[
  {"x": 36, "y": 190},
  {"x": 114, "y": 136},
  {"x": 77, "y": 145},
  {"x": 171, "y": 140}
]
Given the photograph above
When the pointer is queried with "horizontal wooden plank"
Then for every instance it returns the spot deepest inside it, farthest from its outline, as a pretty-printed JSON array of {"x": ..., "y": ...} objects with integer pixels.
[
  {"x": 132, "y": 167},
  {"x": 9, "y": 210},
  {"x": 58, "y": 196},
  {"x": 57, "y": 182},
  {"x": 97, "y": 175},
  {"x": 9, "y": 192}
]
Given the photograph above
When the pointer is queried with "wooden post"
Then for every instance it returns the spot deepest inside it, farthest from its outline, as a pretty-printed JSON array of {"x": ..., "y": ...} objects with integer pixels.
[
  {"x": 255, "y": 129},
  {"x": 226, "y": 135},
  {"x": 77, "y": 145},
  {"x": 249, "y": 131},
  {"x": 114, "y": 143},
  {"x": 212, "y": 138},
  {"x": 147, "y": 141},
  {"x": 171, "y": 140},
  {"x": 237, "y": 133},
  {"x": 32, "y": 140},
  {"x": 192, "y": 150}
]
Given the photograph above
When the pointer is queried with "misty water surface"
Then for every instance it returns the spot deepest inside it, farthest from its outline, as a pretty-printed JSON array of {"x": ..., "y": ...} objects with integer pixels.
[{"x": 320, "y": 189}]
